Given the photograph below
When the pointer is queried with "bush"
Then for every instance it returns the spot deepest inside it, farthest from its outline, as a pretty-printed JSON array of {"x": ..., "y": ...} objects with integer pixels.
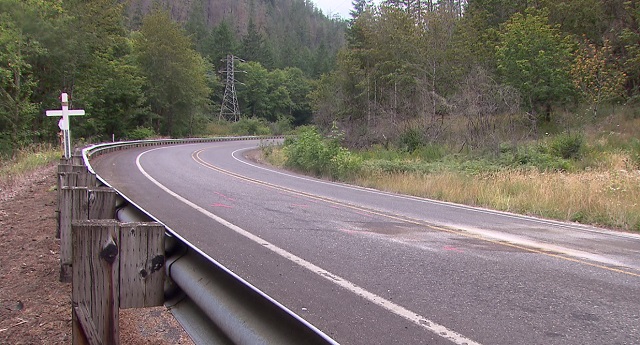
[
  {"x": 310, "y": 152},
  {"x": 218, "y": 128},
  {"x": 344, "y": 164},
  {"x": 141, "y": 133},
  {"x": 430, "y": 152},
  {"x": 567, "y": 146},
  {"x": 283, "y": 125},
  {"x": 250, "y": 126},
  {"x": 411, "y": 140},
  {"x": 536, "y": 157}
]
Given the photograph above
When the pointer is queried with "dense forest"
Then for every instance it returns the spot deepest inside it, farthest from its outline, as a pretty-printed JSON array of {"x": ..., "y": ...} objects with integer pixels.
[
  {"x": 478, "y": 73},
  {"x": 143, "y": 68},
  {"x": 277, "y": 34},
  {"x": 474, "y": 72}
]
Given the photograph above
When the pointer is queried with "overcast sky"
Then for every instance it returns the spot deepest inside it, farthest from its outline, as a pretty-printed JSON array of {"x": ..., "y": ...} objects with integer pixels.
[{"x": 331, "y": 7}]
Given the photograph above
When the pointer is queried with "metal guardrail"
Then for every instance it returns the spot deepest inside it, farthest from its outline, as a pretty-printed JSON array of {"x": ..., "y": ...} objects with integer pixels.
[{"x": 213, "y": 304}]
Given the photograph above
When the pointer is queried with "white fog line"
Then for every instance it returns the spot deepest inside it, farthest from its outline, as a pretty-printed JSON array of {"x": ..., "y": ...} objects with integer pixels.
[{"x": 396, "y": 309}]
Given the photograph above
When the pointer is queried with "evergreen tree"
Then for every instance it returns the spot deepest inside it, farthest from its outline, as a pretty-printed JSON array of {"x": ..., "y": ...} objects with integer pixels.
[
  {"x": 221, "y": 43},
  {"x": 359, "y": 6},
  {"x": 253, "y": 46}
]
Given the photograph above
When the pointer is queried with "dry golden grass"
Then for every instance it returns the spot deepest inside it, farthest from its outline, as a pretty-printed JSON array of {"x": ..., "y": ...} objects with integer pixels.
[
  {"x": 26, "y": 161},
  {"x": 604, "y": 197}
]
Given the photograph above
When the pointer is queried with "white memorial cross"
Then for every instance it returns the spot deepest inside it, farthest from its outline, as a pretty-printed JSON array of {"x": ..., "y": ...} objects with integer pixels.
[{"x": 64, "y": 122}]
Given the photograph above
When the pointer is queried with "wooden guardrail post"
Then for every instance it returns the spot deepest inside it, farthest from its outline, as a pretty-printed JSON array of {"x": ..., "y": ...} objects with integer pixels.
[
  {"x": 76, "y": 157},
  {"x": 142, "y": 262},
  {"x": 85, "y": 178},
  {"x": 115, "y": 265},
  {"x": 65, "y": 179},
  {"x": 95, "y": 288},
  {"x": 74, "y": 205},
  {"x": 102, "y": 203},
  {"x": 81, "y": 203}
]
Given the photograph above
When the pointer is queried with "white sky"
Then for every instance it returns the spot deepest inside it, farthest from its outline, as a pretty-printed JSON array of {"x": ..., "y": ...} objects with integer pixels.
[{"x": 331, "y": 7}]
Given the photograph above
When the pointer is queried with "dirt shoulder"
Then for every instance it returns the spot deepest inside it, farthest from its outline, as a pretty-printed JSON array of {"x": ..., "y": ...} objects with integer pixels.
[{"x": 35, "y": 308}]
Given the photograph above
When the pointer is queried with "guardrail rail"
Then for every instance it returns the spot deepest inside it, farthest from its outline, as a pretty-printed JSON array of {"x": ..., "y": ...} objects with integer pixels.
[{"x": 213, "y": 304}]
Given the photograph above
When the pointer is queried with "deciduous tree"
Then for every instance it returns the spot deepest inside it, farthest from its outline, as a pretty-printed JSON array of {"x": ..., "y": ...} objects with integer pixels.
[
  {"x": 535, "y": 58},
  {"x": 176, "y": 75},
  {"x": 597, "y": 75}
]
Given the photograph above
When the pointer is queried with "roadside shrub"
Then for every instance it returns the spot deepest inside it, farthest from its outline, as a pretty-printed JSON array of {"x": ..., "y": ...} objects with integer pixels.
[
  {"x": 430, "y": 152},
  {"x": 218, "y": 128},
  {"x": 310, "y": 152},
  {"x": 141, "y": 133},
  {"x": 567, "y": 146},
  {"x": 344, "y": 164},
  {"x": 411, "y": 140},
  {"x": 250, "y": 126},
  {"x": 283, "y": 125},
  {"x": 539, "y": 158}
]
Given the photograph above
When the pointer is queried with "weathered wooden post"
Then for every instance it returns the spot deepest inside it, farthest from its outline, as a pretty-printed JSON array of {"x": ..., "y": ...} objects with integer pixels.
[
  {"x": 76, "y": 157},
  {"x": 85, "y": 178},
  {"x": 102, "y": 203},
  {"x": 74, "y": 205},
  {"x": 65, "y": 179},
  {"x": 141, "y": 265},
  {"x": 96, "y": 262},
  {"x": 115, "y": 265},
  {"x": 81, "y": 203}
]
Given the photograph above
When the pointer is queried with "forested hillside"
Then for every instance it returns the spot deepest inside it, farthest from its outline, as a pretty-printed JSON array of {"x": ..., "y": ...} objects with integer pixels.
[
  {"x": 277, "y": 34},
  {"x": 143, "y": 68},
  {"x": 471, "y": 74},
  {"x": 479, "y": 73}
]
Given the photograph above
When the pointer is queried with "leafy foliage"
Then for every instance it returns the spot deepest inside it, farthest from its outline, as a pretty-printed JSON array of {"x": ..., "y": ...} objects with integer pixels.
[
  {"x": 597, "y": 75},
  {"x": 310, "y": 152},
  {"x": 568, "y": 146},
  {"x": 271, "y": 95},
  {"x": 18, "y": 48},
  {"x": 250, "y": 126},
  {"x": 157, "y": 77},
  {"x": 535, "y": 58},
  {"x": 141, "y": 133},
  {"x": 176, "y": 86}
]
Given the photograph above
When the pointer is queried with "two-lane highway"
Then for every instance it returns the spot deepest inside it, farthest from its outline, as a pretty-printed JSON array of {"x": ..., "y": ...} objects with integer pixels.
[{"x": 368, "y": 267}]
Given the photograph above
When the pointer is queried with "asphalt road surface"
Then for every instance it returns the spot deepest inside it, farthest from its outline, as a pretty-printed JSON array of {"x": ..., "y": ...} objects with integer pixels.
[{"x": 368, "y": 267}]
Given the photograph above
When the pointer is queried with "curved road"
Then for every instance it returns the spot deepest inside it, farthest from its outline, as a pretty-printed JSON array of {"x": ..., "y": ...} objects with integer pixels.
[{"x": 368, "y": 267}]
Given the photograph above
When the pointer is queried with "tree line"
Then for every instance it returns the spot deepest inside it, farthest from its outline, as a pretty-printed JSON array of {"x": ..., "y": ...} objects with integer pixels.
[
  {"x": 426, "y": 67},
  {"x": 141, "y": 73}
]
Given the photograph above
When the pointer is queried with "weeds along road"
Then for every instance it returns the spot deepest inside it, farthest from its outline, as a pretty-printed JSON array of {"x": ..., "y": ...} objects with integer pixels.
[{"x": 368, "y": 267}]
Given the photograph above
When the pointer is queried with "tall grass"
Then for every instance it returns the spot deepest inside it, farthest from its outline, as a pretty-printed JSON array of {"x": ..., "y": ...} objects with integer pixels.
[
  {"x": 605, "y": 198},
  {"x": 589, "y": 175},
  {"x": 25, "y": 161}
]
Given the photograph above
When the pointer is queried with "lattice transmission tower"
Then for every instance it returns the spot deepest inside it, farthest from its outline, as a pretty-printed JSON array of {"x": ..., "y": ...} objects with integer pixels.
[{"x": 229, "y": 109}]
